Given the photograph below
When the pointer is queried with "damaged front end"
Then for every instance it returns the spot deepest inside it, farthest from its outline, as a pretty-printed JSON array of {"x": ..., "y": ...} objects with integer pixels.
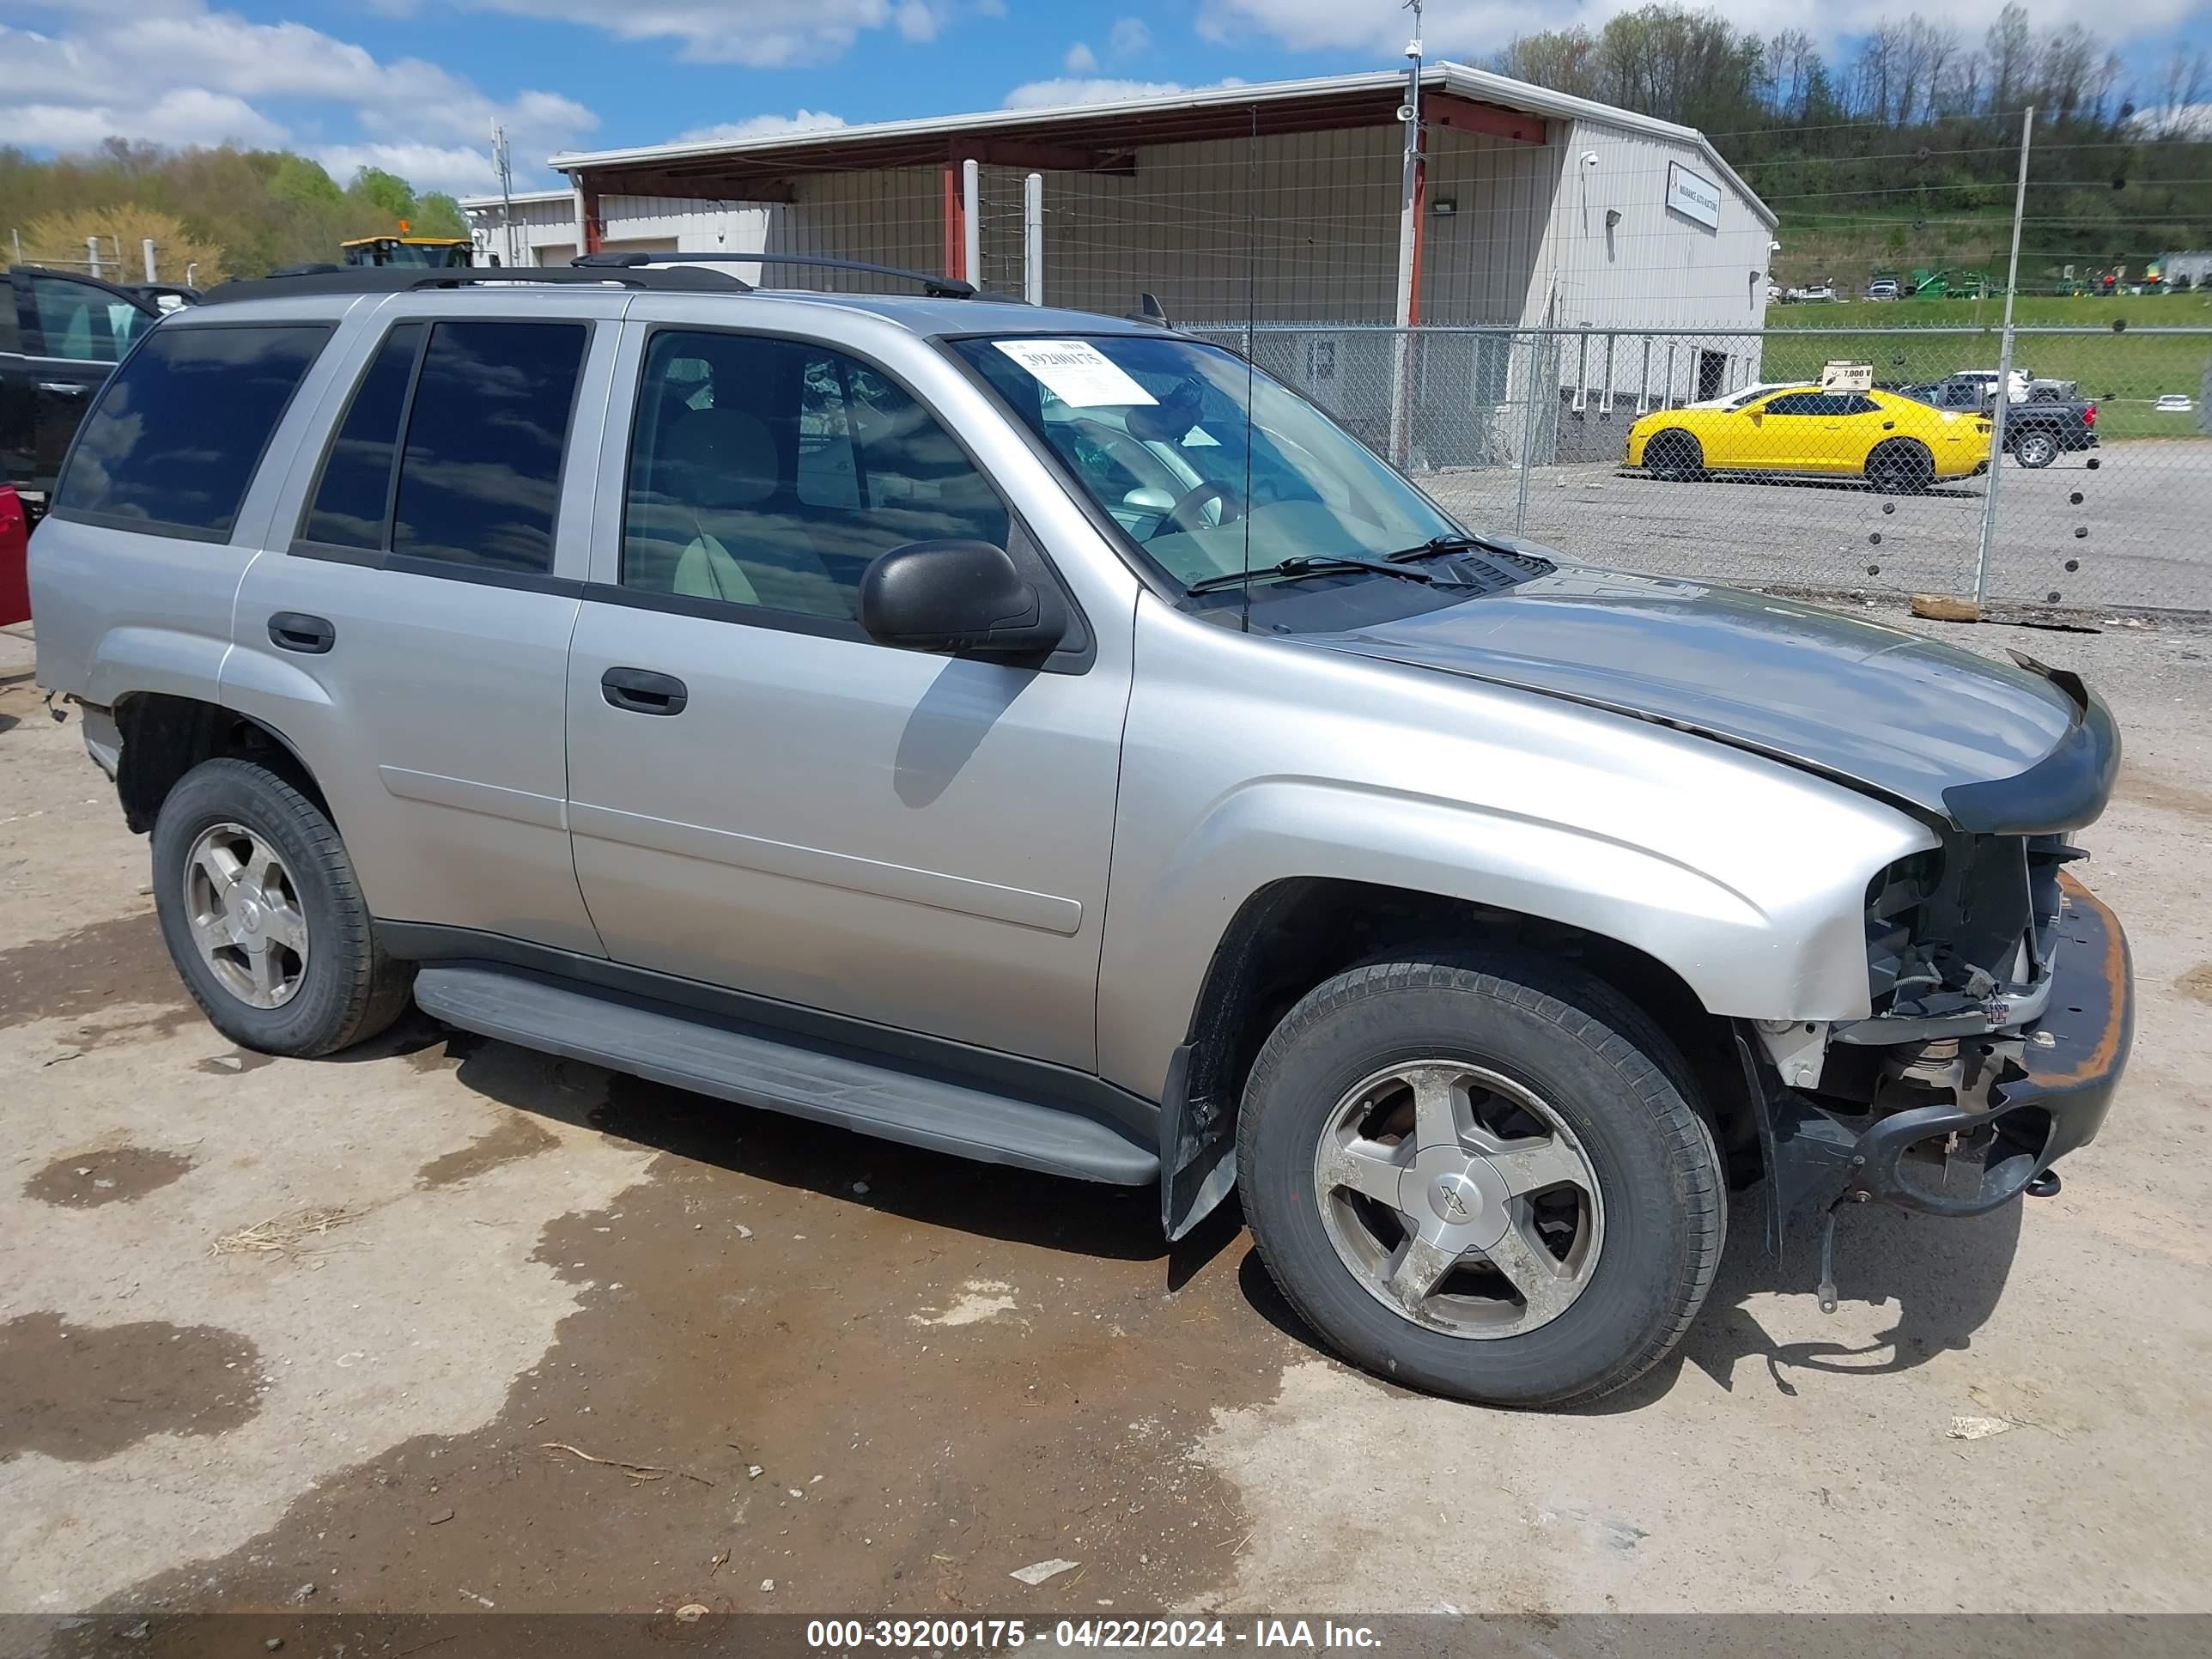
[{"x": 2003, "y": 1009}]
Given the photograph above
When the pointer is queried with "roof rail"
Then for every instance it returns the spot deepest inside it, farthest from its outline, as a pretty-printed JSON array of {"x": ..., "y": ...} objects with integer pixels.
[
  {"x": 388, "y": 279},
  {"x": 938, "y": 288}
]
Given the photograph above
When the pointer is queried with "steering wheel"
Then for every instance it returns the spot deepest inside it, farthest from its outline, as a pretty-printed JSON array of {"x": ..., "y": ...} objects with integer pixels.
[{"x": 1183, "y": 515}]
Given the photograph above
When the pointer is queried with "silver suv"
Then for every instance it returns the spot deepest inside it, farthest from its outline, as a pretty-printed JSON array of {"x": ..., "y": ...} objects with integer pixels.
[{"x": 1043, "y": 737}]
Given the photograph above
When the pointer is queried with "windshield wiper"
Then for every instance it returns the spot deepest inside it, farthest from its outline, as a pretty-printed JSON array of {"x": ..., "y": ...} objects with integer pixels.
[
  {"x": 1291, "y": 569},
  {"x": 1436, "y": 546}
]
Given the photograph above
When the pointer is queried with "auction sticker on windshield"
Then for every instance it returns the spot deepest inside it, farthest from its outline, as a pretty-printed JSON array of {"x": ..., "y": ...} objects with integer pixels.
[{"x": 1076, "y": 372}]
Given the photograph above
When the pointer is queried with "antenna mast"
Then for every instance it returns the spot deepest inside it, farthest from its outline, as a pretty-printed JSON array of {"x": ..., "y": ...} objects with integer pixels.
[{"x": 506, "y": 171}]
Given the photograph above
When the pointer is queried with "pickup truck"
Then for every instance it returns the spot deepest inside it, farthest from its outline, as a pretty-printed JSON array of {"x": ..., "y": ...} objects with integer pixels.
[{"x": 2036, "y": 433}]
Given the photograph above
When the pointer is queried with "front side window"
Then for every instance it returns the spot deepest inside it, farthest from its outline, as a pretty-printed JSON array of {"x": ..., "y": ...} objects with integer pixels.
[
  {"x": 480, "y": 469},
  {"x": 174, "y": 439},
  {"x": 80, "y": 321},
  {"x": 771, "y": 473},
  {"x": 1794, "y": 403}
]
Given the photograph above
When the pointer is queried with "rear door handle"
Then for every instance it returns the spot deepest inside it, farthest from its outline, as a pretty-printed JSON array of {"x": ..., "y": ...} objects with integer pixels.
[
  {"x": 641, "y": 691},
  {"x": 66, "y": 388},
  {"x": 295, "y": 630}
]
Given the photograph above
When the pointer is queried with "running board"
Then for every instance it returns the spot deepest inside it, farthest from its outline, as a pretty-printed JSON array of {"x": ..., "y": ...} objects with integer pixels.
[{"x": 674, "y": 1046}]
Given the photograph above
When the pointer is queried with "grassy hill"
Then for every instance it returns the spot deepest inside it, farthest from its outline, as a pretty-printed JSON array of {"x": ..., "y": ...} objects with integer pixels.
[{"x": 2125, "y": 371}]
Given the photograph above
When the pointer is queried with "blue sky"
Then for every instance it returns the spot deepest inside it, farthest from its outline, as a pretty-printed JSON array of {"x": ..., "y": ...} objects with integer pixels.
[{"x": 413, "y": 85}]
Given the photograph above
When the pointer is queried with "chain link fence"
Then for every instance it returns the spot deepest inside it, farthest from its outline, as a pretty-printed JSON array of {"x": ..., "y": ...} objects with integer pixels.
[{"x": 1802, "y": 459}]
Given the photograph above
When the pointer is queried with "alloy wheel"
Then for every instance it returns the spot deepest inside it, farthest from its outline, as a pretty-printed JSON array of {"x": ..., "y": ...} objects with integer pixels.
[
  {"x": 1459, "y": 1199},
  {"x": 244, "y": 911}
]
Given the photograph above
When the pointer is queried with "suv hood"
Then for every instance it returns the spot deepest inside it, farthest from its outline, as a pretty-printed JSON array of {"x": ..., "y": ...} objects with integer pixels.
[{"x": 1941, "y": 728}]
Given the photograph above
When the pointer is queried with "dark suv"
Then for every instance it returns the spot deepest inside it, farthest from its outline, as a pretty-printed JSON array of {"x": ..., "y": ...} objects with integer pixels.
[{"x": 59, "y": 336}]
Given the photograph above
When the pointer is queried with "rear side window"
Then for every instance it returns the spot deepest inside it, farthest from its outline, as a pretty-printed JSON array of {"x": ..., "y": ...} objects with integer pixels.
[
  {"x": 175, "y": 439},
  {"x": 480, "y": 471},
  {"x": 355, "y": 488}
]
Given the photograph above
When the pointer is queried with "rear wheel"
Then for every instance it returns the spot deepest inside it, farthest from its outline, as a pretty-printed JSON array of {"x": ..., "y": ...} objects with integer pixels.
[
  {"x": 1482, "y": 1177},
  {"x": 1674, "y": 454},
  {"x": 2035, "y": 449},
  {"x": 1901, "y": 467},
  {"x": 264, "y": 918}
]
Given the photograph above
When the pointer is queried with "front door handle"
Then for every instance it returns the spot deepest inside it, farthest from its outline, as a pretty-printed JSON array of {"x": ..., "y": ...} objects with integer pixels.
[
  {"x": 295, "y": 630},
  {"x": 66, "y": 388},
  {"x": 641, "y": 691}
]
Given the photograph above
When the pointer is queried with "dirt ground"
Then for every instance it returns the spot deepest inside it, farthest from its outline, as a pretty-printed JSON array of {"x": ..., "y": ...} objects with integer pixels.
[{"x": 445, "y": 1326}]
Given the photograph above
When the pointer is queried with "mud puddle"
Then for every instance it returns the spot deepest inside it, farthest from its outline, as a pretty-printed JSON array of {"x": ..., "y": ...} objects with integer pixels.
[{"x": 877, "y": 1378}]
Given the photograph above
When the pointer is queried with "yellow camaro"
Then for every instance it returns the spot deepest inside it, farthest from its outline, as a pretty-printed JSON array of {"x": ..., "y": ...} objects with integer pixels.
[{"x": 1895, "y": 443}]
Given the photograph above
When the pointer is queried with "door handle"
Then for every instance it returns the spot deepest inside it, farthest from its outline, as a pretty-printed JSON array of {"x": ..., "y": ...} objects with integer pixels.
[
  {"x": 641, "y": 691},
  {"x": 295, "y": 630},
  {"x": 66, "y": 388}
]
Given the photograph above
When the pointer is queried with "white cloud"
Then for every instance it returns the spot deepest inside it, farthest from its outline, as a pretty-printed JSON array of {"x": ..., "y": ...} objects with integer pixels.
[
  {"x": 1081, "y": 60},
  {"x": 1478, "y": 27},
  {"x": 2179, "y": 120},
  {"x": 186, "y": 115},
  {"x": 760, "y": 126},
  {"x": 1080, "y": 90},
  {"x": 1129, "y": 37},
  {"x": 760, "y": 33},
  {"x": 458, "y": 169},
  {"x": 175, "y": 73}
]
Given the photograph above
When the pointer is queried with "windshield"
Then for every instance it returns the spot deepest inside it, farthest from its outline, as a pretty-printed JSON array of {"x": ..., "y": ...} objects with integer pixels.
[{"x": 1154, "y": 430}]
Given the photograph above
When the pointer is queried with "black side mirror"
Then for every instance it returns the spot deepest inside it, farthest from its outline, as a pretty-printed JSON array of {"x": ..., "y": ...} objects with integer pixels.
[{"x": 966, "y": 598}]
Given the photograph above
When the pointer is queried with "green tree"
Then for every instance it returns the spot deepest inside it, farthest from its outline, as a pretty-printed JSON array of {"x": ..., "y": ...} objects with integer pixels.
[
  {"x": 388, "y": 193},
  {"x": 437, "y": 214}
]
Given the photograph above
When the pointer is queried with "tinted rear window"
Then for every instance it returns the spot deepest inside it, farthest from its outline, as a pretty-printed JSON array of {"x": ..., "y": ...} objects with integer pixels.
[
  {"x": 356, "y": 481},
  {"x": 176, "y": 435},
  {"x": 480, "y": 476}
]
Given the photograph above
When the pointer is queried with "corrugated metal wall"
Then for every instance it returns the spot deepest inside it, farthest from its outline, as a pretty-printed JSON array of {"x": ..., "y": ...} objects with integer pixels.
[
  {"x": 1654, "y": 268},
  {"x": 890, "y": 216}
]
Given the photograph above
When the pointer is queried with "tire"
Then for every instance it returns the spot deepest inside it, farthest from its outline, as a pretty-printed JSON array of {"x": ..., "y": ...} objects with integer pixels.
[
  {"x": 1674, "y": 454},
  {"x": 335, "y": 987},
  {"x": 1551, "y": 1036},
  {"x": 1901, "y": 467},
  {"x": 2034, "y": 449}
]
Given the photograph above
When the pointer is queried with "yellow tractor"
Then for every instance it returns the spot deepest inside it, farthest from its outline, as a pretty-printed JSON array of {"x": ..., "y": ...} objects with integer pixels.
[{"x": 428, "y": 252}]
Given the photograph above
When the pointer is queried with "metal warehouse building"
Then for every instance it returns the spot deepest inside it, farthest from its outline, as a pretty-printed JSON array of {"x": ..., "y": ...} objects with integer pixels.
[{"x": 1285, "y": 215}]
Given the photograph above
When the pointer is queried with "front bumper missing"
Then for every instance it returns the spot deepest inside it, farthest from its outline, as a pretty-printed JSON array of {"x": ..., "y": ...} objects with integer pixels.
[{"x": 2022, "y": 1101}]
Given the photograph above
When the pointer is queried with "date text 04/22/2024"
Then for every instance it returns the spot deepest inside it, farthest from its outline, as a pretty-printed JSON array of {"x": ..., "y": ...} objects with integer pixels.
[{"x": 986, "y": 1635}]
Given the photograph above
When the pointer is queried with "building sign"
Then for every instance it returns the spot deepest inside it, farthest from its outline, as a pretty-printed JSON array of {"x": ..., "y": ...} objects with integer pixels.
[{"x": 1693, "y": 196}]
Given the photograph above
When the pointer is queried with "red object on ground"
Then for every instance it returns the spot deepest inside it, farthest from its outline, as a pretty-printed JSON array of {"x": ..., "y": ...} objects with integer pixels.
[{"x": 14, "y": 552}]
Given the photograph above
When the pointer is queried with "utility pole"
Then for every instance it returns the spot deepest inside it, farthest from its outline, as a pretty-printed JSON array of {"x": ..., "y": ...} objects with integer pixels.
[
  {"x": 2004, "y": 370},
  {"x": 506, "y": 171},
  {"x": 1409, "y": 232}
]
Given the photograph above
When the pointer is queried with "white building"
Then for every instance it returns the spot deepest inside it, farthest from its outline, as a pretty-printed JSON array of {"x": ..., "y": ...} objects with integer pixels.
[{"x": 1282, "y": 204}]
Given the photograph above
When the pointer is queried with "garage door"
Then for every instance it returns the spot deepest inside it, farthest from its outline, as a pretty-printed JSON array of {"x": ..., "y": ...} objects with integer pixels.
[
  {"x": 641, "y": 245},
  {"x": 556, "y": 253}
]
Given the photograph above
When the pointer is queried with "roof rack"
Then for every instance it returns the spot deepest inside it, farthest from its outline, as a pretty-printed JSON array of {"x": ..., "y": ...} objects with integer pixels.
[
  {"x": 938, "y": 288},
  {"x": 386, "y": 279}
]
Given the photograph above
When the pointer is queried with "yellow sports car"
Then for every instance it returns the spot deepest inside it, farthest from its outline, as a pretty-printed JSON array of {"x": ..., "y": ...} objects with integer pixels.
[{"x": 1895, "y": 443}]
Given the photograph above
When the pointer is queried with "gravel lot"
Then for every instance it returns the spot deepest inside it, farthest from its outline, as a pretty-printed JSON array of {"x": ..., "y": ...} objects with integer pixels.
[
  {"x": 366, "y": 1325},
  {"x": 2144, "y": 505}
]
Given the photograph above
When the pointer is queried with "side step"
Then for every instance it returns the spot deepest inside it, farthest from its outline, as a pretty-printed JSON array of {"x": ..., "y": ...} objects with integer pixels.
[{"x": 690, "y": 1051}]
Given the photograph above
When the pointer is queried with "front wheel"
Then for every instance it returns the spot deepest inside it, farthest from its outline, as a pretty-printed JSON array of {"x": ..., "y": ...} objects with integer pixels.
[
  {"x": 1482, "y": 1177},
  {"x": 1674, "y": 455},
  {"x": 2035, "y": 449}
]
